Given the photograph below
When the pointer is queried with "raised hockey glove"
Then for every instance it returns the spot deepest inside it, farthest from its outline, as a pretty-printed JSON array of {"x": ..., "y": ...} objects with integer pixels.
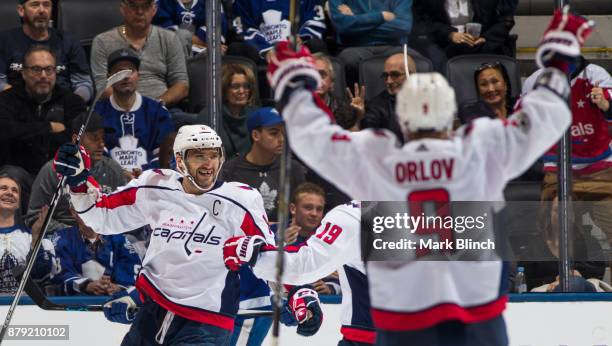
[
  {"x": 240, "y": 250},
  {"x": 565, "y": 35},
  {"x": 304, "y": 304},
  {"x": 289, "y": 70},
  {"x": 122, "y": 306},
  {"x": 73, "y": 162}
]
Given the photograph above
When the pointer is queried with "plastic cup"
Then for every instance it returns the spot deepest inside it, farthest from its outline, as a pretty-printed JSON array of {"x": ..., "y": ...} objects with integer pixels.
[{"x": 473, "y": 29}]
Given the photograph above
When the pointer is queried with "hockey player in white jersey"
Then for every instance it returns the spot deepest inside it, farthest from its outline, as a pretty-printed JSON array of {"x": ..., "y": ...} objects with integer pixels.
[
  {"x": 335, "y": 246},
  {"x": 188, "y": 295},
  {"x": 432, "y": 303}
]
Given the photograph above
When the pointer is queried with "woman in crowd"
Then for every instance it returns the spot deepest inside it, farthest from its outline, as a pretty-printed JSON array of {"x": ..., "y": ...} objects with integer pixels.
[
  {"x": 240, "y": 97},
  {"x": 494, "y": 94}
]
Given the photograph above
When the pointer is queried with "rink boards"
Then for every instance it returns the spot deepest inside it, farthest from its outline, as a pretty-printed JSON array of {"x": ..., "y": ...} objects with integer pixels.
[{"x": 532, "y": 319}]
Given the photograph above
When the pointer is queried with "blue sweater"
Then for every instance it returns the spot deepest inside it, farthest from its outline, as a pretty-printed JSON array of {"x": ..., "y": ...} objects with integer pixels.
[{"x": 367, "y": 26}]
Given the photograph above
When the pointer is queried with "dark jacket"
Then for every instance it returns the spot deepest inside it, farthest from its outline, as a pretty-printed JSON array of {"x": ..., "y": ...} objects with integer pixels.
[
  {"x": 496, "y": 17},
  {"x": 263, "y": 178},
  {"x": 25, "y": 130},
  {"x": 380, "y": 114}
]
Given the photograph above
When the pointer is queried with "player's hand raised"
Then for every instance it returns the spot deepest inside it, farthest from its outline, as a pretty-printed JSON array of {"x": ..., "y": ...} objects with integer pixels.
[
  {"x": 565, "y": 35},
  {"x": 73, "y": 162},
  {"x": 289, "y": 69}
]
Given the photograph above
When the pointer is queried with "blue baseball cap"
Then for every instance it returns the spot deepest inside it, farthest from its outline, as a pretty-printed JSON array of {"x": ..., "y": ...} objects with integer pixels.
[{"x": 263, "y": 117}]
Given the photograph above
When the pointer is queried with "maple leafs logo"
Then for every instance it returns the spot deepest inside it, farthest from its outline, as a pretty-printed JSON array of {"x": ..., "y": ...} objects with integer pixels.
[{"x": 268, "y": 195}]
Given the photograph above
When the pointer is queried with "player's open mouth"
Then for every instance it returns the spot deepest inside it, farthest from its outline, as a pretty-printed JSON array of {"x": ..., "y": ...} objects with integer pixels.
[{"x": 205, "y": 172}]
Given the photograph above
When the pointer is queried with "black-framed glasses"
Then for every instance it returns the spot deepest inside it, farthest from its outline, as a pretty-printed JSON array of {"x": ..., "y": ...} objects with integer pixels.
[
  {"x": 392, "y": 74},
  {"x": 38, "y": 70}
]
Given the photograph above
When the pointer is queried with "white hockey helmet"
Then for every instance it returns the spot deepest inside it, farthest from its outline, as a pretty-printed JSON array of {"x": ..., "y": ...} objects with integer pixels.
[
  {"x": 426, "y": 102},
  {"x": 196, "y": 137}
]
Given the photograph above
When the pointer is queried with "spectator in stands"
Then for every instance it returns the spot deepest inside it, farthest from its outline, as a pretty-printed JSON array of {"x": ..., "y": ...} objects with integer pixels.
[
  {"x": 24, "y": 180},
  {"x": 439, "y": 28},
  {"x": 163, "y": 69},
  {"x": 366, "y": 28},
  {"x": 239, "y": 94},
  {"x": 589, "y": 260},
  {"x": 16, "y": 239},
  {"x": 34, "y": 116},
  {"x": 263, "y": 23},
  {"x": 326, "y": 90},
  {"x": 380, "y": 111},
  {"x": 72, "y": 66},
  {"x": 107, "y": 172},
  {"x": 260, "y": 167},
  {"x": 306, "y": 208},
  {"x": 188, "y": 19},
  {"x": 494, "y": 92},
  {"x": 94, "y": 264},
  {"x": 591, "y": 91},
  {"x": 142, "y": 125}
]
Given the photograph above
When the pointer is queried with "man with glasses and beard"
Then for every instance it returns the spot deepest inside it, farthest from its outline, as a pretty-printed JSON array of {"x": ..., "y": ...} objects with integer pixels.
[
  {"x": 73, "y": 69},
  {"x": 35, "y": 116},
  {"x": 380, "y": 111}
]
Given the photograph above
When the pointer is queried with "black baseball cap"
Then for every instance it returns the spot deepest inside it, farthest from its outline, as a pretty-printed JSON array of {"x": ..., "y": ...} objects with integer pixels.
[
  {"x": 122, "y": 54},
  {"x": 96, "y": 122}
]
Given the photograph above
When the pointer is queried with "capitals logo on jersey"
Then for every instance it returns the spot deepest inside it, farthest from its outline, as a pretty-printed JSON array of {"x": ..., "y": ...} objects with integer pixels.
[{"x": 189, "y": 232}]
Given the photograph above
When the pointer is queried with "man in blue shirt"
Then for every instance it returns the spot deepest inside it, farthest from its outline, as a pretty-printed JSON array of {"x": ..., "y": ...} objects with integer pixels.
[{"x": 141, "y": 124}]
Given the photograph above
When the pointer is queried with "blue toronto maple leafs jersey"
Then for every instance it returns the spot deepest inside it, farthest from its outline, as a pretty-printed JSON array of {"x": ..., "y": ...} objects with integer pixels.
[
  {"x": 265, "y": 22},
  {"x": 81, "y": 260},
  {"x": 148, "y": 121},
  {"x": 15, "y": 244},
  {"x": 173, "y": 15}
]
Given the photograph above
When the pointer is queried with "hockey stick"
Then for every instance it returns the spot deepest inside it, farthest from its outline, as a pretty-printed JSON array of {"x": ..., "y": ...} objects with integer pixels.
[
  {"x": 39, "y": 298},
  {"x": 283, "y": 205},
  {"x": 113, "y": 79}
]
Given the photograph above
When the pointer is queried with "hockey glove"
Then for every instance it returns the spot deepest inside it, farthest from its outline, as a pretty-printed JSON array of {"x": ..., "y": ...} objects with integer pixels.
[
  {"x": 289, "y": 70},
  {"x": 122, "y": 306},
  {"x": 565, "y": 35},
  {"x": 306, "y": 308},
  {"x": 240, "y": 250},
  {"x": 73, "y": 162}
]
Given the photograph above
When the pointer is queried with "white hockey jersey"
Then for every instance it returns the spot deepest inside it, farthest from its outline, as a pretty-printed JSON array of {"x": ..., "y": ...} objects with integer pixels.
[
  {"x": 183, "y": 268},
  {"x": 474, "y": 165},
  {"x": 335, "y": 246}
]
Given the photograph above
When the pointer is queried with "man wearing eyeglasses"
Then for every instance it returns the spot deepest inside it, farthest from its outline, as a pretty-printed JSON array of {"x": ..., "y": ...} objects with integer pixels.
[
  {"x": 35, "y": 115},
  {"x": 380, "y": 111},
  {"x": 73, "y": 69}
]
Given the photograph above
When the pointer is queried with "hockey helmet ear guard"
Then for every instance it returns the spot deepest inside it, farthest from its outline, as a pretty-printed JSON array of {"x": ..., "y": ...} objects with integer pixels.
[
  {"x": 426, "y": 102},
  {"x": 196, "y": 137}
]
